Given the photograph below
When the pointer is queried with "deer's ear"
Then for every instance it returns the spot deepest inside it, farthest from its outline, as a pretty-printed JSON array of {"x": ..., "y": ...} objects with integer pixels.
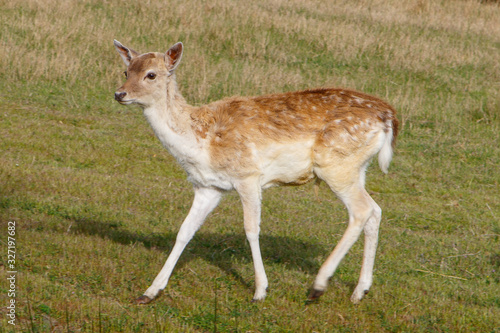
[
  {"x": 124, "y": 52},
  {"x": 173, "y": 57}
]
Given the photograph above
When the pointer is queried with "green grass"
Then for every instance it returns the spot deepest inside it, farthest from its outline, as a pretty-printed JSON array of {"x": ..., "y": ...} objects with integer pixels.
[{"x": 98, "y": 201}]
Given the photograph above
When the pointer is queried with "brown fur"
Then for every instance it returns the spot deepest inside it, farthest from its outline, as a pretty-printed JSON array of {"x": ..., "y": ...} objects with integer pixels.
[{"x": 322, "y": 114}]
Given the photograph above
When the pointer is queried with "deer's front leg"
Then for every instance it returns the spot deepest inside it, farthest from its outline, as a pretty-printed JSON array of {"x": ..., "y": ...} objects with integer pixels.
[
  {"x": 205, "y": 200},
  {"x": 250, "y": 194}
]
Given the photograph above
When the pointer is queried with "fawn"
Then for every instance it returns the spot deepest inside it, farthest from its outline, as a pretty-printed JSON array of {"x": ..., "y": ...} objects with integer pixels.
[{"x": 252, "y": 143}]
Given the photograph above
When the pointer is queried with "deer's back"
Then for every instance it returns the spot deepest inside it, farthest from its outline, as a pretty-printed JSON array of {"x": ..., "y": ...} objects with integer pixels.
[{"x": 241, "y": 130}]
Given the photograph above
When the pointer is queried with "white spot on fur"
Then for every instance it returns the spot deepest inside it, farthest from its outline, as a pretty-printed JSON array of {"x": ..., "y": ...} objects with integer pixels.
[{"x": 359, "y": 100}]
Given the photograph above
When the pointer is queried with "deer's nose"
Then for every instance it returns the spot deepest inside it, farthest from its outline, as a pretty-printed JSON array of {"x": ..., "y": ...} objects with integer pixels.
[{"x": 120, "y": 95}]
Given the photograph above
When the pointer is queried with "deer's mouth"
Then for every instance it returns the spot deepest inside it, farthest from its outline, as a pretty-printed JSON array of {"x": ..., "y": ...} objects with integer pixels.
[
  {"x": 125, "y": 102},
  {"x": 121, "y": 97}
]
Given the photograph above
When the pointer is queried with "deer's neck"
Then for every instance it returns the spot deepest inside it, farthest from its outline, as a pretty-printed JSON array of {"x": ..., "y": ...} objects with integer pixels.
[{"x": 170, "y": 118}]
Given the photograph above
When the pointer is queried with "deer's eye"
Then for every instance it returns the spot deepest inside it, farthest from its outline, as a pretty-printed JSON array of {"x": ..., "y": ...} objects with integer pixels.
[
  {"x": 151, "y": 76},
  {"x": 125, "y": 73}
]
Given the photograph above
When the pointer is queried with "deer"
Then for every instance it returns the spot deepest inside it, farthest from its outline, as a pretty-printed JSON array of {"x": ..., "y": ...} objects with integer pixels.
[{"x": 248, "y": 144}]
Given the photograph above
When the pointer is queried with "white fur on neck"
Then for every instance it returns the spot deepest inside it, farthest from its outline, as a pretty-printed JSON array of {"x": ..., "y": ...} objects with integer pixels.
[{"x": 165, "y": 118}]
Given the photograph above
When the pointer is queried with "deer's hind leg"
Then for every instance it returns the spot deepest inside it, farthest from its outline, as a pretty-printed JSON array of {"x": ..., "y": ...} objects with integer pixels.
[{"x": 364, "y": 215}]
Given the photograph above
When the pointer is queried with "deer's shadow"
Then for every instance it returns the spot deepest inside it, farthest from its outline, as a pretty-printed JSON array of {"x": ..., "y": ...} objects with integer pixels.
[{"x": 220, "y": 249}]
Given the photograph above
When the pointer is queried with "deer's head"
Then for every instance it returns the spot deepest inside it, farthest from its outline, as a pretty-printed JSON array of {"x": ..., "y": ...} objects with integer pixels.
[{"x": 147, "y": 74}]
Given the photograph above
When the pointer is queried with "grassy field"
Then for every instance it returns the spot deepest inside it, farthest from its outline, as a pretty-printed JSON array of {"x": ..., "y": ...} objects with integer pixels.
[{"x": 97, "y": 201}]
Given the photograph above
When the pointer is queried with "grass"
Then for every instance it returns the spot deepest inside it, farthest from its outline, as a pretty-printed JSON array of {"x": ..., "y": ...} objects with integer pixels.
[{"x": 98, "y": 201}]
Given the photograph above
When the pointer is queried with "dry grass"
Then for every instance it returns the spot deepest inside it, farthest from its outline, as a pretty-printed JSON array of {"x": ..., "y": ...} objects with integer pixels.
[
  {"x": 98, "y": 201},
  {"x": 65, "y": 41}
]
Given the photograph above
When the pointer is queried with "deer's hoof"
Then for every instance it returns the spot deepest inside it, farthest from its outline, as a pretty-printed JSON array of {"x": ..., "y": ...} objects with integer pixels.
[
  {"x": 143, "y": 300},
  {"x": 315, "y": 294}
]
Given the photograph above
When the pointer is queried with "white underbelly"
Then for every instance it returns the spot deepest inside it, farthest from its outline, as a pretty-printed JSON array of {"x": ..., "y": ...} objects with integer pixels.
[
  {"x": 286, "y": 163},
  {"x": 207, "y": 177}
]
